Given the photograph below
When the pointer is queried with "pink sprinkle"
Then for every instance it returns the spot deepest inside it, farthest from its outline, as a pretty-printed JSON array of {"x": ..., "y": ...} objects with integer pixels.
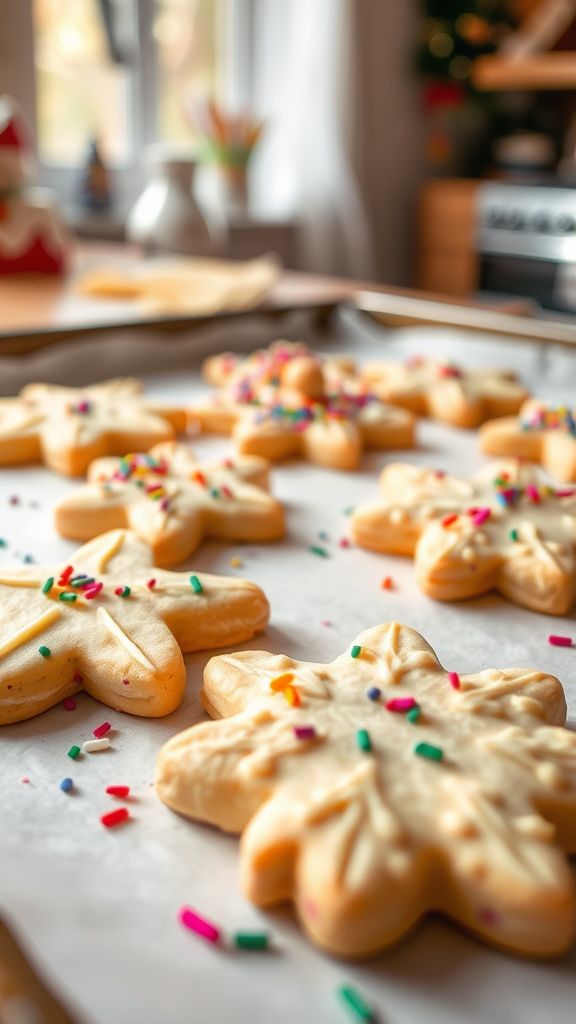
[
  {"x": 93, "y": 591},
  {"x": 225, "y": 490},
  {"x": 439, "y": 474},
  {"x": 344, "y": 543},
  {"x": 304, "y": 732},
  {"x": 69, "y": 704},
  {"x": 164, "y": 504},
  {"x": 191, "y": 920},
  {"x": 454, "y": 680},
  {"x": 151, "y": 584},
  {"x": 25, "y": 780},
  {"x": 78, "y": 678},
  {"x": 101, "y": 730},
  {"x": 560, "y": 641},
  {"x": 326, "y": 622},
  {"x": 400, "y": 704},
  {"x": 14, "y": 500},
  {"x": 568, "y": 492},
  {"x": 480, "y": 516},
  {"x": 532, "y": 493}
]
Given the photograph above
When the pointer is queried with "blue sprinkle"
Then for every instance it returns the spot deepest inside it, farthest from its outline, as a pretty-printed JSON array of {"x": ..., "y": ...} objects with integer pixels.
[
  {"x": 373, "y": 693},
  {"x": 66, "y": 785},
  {"x": 323, "y": 535},
  {"x": 28, "y": 559}
]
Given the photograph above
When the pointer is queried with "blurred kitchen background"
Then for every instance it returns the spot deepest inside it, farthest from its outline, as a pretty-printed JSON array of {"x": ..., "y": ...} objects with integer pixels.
[{"x": 425, "y": 144}]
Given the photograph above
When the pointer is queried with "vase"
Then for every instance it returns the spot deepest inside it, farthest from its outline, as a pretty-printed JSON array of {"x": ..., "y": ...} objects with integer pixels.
[{"x": 166, "y": 217}]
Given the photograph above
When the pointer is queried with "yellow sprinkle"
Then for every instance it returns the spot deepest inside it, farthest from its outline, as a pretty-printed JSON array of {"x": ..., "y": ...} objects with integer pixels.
[{"x": 236, "y": 563}]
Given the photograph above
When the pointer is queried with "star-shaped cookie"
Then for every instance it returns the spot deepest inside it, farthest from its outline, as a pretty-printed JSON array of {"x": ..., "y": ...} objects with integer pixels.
[
  {"x": 445, "y": 391},
  {"x": 379, "y": 787},
  {"x": 505, "y": 528},
  {"x": 67, "y": 428},
  {"x": 268, "y": 366},
  {"x": 172, "y": 501},
  {"x": 313, "y": 414},
  {"x": 543, "y": 431},
  {"x": 109, "y": 624}
]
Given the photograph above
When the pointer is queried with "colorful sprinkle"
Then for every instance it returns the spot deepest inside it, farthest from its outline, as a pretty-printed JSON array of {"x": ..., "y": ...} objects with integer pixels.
[
  {"x": 101, "y": 730},
  {"x": 68, "y": 596},
  {"x": 122, "y": 591},
  {"x": 65, "y": 575},
  {"x": 448, "y": 520},
  {"x": 74, "y": 751},
  {"x": 120, "y": 791},
  {"x": 559, "y": 641},
  {"x": 251, "y": 940},
  {"x": 236, "y": 563},
  {"x": 292, "y": 696},
  {"x": 356, "y": 1004},
  {"x": 196, "y": 585},
  {"x": 344, "y": 543},
  {"x": 47, "y": 586},
  {"x": 480, "y": 516},
  {"x": 305, "y": 732},
  {"x": 429, "y": 751},
  {"x": 69, "y": 704},
  {"x": 414, "y": 714},
  {"x": 400, "y": 704},
  {"x": 355, "y": 651},
  {"x": 374, "y": 693},
  {"x": 454, "y": 680},
  {"x": 44, "y": 651},
  {"x": 387, "y": 583},
  {"x": 513, "y": 534},
  {"x": 151, "y": 584},
  {"x": 92, "y": 591},
  {"x": 94, "y": 746},
  {"x": 315, "y": 549},
  {"x": 363, "y": 740},
  {"x": 200, "y": 925},
  {"x": 115, "y": 817},
  {"x": 280, "y": 683},
  {"x": 66, "y": 785}
]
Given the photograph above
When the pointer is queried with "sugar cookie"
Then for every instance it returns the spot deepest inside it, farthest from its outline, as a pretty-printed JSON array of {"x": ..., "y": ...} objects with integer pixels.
[
  {"x": 505, "y": 528},
  {"x": 445, "y": 391},
  {"x": 109, "y": 624},
  {"x": 173, "y": 501},
  {"x": 268, "y": 366},
  {"x": 379, "y": 787},
  {"x": 67, "y": 428},
  {"x": 543, "y": 431}
]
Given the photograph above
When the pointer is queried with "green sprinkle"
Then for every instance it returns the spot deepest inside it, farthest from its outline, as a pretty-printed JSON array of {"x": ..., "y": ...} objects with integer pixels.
[
  {"x": 251, "y": 940},
  {"x": 82, "y": 581},
  {"x": 47, "y": 586},
  {"x": 3, "y": 543},
  {"x": 73, "y": 752},
  {"x": 44, "y": 651},
  {"x": 429, "y": 750},
  {"x": 67, "y": 596},
  {"x": 316, "y": 549},
  {"x": 514, "y": 534},
  {"x": 348, "y": 511},
  {"x": 355, "y": 1002},
  {"x": 355, "y": 651},
  {"x": 124, "y": 592},
  {"x": 214, "y": 492},
  {"x": 196, "y": 585},
  {"x": 414, "y": 714},
  {"x": 363, "y": 740}
]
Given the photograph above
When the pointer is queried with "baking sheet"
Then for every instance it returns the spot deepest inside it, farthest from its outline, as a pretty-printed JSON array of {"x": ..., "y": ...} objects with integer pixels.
[{"x": 98, "y": 908}]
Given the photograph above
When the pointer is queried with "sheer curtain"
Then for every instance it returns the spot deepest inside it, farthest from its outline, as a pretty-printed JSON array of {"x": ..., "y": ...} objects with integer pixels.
[{"x": 302, "y": 83}]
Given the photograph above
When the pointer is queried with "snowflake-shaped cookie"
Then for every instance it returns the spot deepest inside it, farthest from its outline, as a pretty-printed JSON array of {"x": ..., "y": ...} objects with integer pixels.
[
  {"x": 327, "y": 418},
  {"x": 172, "y": 501},
  {"x": 505, "y": 528},
  {"x": 109, "y": 624},
  {"x": 444, "y": 391},
  {"x": 67, "y": 428},
  {"x": 378, "y": 787},
  {"x": 543, "y": 431}
]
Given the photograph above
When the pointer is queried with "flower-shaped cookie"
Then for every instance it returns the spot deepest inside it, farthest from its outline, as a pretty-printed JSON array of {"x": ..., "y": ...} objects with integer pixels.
[
  {"x": 66, "y": 428},
  {"x": 505, "y": 528},
  {"x": 444, "y": 391},
  {"x": 110, "y": 625},
  {"x": 172, "y": 501},
  {"x": 543, "y": 431},
  {"x": 323, "y": 417},
  {"x": 268, "y": 366},
  {"x": 380, "y": 786}
]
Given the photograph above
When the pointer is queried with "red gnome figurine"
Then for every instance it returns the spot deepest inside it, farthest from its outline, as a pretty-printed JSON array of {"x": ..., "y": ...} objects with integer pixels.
[{"x": 32, "y": 237}]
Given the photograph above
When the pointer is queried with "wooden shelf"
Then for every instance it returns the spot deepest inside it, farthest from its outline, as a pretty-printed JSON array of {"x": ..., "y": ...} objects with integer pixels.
[{"x": 541, "y": 71}]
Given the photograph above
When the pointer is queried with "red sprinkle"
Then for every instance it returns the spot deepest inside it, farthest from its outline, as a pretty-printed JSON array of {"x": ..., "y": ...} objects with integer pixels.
[
  {"x": 119, "y": 791},
  {"x": 125, "y": 682},
  {"x": 92, "y": 591},
  {"x": 480, "y": 516},
  {"x": 113, "y": 818},
  {"x": 560, "y": 641},
  {"x": 344, "y": 543},
  {"x": 448, "y": 520},
  {"x": 69, "y": 704},
  {"x": 387, "y": 583},
  {"x": 151, "y": 584},
  {"x": 65, "y": 576},
  {"x": 400, "y": 704},
  {"x": 454, "y": 680},
  {"x": 225, "y": 490},
  {"x": 101, "y": 730},
  {"x": 78, "y": 678}
]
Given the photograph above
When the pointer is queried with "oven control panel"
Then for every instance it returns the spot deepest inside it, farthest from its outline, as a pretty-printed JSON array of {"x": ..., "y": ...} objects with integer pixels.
[{"x": 528, "y": 221}]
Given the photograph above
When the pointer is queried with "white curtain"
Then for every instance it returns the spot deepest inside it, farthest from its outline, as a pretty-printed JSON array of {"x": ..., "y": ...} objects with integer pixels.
[{"x": 302, "y": 84}]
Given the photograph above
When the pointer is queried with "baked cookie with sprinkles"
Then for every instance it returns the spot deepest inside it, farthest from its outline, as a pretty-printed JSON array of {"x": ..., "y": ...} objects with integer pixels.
[
  {"x": 173, "y": 501},
  {"x": 308, "y": 412},
  {"x": 543, "y": 432},
  {"x": 381, "y": 786},
  {"x": 109, "y": 624},
  {"x": 506, "y": 528},
  {"x": 445, "y": 391},
  {"x": 269, "y": 366},
  {"x": 67, "y": 428}
]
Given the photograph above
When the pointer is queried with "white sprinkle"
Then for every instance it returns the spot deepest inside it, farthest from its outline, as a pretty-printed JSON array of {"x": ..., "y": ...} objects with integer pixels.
[
  {"x": 93, "y": 746},
  {"x": 397, "y": 516},
  {"x": 468, "y": 554}
]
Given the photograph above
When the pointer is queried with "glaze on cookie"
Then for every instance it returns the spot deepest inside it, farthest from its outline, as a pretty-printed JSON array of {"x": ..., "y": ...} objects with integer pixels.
[{"x": 543, "y": 432}]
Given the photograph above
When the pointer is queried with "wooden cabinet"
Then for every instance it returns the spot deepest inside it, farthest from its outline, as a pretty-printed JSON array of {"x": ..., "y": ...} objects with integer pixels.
[{"x": 447, "y": 262}]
